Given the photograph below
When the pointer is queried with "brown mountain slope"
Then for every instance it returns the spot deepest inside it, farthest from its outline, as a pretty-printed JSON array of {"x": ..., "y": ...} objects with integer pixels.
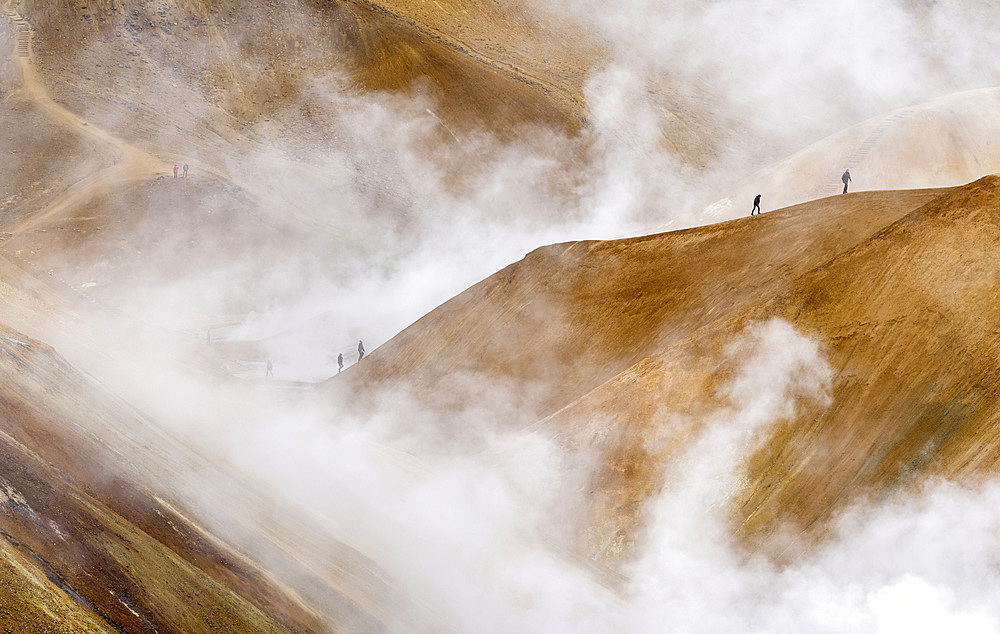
[
  {"x": 253, "y": 58},
  {"x": 32, "y": 601},
  {"x": 574, "y": 315},
  {"x": 911, "y": 323},
  {"x": 182, "y": 77},
  {"x": 85, "y": 502},
  {"x": 621, "y": 340},
  {"x": 193, "y": 89}
]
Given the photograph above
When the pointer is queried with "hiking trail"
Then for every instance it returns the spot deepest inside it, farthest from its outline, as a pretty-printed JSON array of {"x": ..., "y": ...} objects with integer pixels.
[
  {"x": 835, "y": 186},
  {"x": 130, "y": 163}
]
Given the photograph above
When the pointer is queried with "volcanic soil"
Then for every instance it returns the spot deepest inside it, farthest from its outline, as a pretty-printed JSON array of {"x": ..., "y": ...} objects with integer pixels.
[{"x": 601, "y": 342}]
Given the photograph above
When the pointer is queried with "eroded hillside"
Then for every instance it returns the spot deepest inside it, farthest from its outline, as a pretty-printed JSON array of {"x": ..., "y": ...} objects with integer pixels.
[
  {"x": 618, "y": 350},
  {"x": 90, "y": 538},
  {"x": 617, "y": 347},
  {"x": 214, "y": 79}
]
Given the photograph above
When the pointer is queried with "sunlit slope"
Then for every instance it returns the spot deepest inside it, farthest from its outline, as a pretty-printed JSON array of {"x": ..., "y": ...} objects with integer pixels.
[
  {"x": 92, "y": 538},
  {"x": 260, "y": 94},
  {"x": 252, "y": 59},
  {"x": 41, "y": 157},
  {"x": 905, "y": 321},
  {"x": 30, "y": 179},
  {"x": 571, "y": 316},
  {"x": 619, "y": 347},
  {"x": 33, "y": 602},
  {"x": 181, "y": 76},
  {"x": 910, "y": 320}
]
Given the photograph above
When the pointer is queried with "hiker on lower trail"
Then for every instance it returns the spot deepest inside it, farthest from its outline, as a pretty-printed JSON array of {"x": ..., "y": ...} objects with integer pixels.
[
  {"x": 756, "y": 205},
  {"x": 175, "y": 170},
  {"x": 340, "y": 363},
  {"x": 185, "y": 170},
  {"x": 846, "y": 178},
  {"x": 361, "y": 350},
  {"x": 270, "y": 369}
]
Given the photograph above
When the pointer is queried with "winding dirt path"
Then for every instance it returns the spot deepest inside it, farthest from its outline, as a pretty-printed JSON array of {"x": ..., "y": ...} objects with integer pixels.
[{"x": 130, "y": 163}]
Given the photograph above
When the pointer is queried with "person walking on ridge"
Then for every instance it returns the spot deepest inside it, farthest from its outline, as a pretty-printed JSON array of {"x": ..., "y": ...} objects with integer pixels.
[
  {"x": 846, "y": 178},
  {"x": 175, "y": 170},
  {"x": 361, "y": 350},
  {"x": 185, "y": 170},
  {"x": 340, "y": 363},
  {"x": 756, "y": 205},
  {"x": 270, "y": 369}
]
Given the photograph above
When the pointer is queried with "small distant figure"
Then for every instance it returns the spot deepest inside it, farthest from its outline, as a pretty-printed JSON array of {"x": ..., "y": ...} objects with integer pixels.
[
  {"x": 208, "y": 336},
  {"x": 340, "y": 363},
  {"x": 270, "y": 369},
  {"x": 846, "y": 178},
  {"x": 185, "y": 170},
  {"x": 756, "y": 205},
  {"x": 175, "y": 170},
  {"x": 361, "y": 350}
]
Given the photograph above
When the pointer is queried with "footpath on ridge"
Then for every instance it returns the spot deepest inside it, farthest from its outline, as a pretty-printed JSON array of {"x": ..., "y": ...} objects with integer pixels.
[{"x": 130, "y": 163}]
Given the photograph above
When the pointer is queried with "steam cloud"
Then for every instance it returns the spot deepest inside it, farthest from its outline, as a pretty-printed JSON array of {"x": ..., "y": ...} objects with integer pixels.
[
  {"x": 779, "y": 73},
  {"x": 787, "y": 70},
  {"x": 469, "y": 537}
]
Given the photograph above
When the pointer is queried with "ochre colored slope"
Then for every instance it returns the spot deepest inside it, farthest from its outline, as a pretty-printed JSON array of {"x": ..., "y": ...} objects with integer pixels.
[
  {"x": 252, "y": 59},
  {"x": 77, "y": 499},
  {"x": 222, "y": 85},
  {"x": 622, "y": 346},
  {"x": 911, "y": 323},
  {"x": 31, "y": 179},
  {"x": 195, "y": 77},
  {"x": 574, "y": 315},
  {"x": 31, "y": 601}
]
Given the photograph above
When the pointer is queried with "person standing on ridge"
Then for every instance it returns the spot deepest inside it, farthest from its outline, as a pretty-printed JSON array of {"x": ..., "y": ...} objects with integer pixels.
[
  {"x": 270, "y": 369},
  {"x": 340, "y": 363},
  {"x": 846, "y": 178},
  {"x": 361, "y": 350},
  {"x": 756, "y": 205},
  {"x": 185, "y": 170},
  {"x": 175, "y": 170}
]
